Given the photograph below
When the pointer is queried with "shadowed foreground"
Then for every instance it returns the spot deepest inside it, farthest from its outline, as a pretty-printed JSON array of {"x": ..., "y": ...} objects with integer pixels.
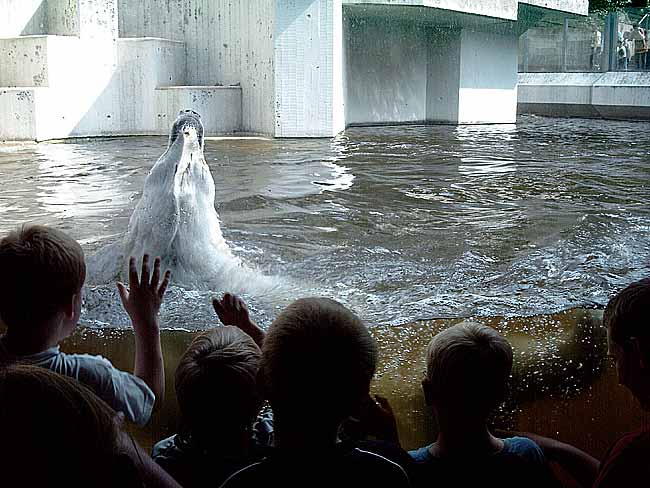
[{"x": 562, "y": 384}]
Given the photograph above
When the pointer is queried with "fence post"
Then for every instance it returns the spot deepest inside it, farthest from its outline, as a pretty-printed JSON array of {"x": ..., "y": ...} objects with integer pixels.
[
  {"x": 611, "y": 38},
  {"x": 525, "y": 54},
  {"x": 565, "y": 42}
]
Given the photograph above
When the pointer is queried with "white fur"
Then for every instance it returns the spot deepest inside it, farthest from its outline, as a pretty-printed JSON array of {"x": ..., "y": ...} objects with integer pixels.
[{"x": 176, "y": 220}]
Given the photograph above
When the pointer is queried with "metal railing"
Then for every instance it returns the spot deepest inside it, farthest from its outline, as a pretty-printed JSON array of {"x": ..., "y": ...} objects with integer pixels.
[{"x": 618, "y": 41}]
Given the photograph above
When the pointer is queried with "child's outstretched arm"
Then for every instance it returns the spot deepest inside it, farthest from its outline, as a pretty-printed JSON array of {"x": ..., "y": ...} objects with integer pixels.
[
  {"x": 142, "y": 302},
  {"x": 232, "y": 310}
]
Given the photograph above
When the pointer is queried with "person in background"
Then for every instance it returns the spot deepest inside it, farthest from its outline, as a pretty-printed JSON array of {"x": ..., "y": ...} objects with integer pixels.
[
  {"x": 318, "y": 360},
  {"x": 467, "y": 370},
  {"x": 637, "y": 36},
  {"x": 40, "y": 304},
  {"x": 223, "y": 429},
  {"x": 621, "y": 54},
  {"x": 56, "y": 432},
  {"x": 596, "y": 49}
]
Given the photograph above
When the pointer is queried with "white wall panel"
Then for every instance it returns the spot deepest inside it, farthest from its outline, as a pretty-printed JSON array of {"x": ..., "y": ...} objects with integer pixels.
[{"x": 386, "y": 69}]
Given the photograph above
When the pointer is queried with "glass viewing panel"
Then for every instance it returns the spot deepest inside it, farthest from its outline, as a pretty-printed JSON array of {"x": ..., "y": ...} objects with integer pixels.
[{"x": 618, "y": 41}]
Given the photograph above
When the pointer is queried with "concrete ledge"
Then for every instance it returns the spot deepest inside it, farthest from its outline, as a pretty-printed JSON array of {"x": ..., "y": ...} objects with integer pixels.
[
  {"x": 559, "y": 110},
  {"x": 30, "y": 17},
  {"x": 620, "y": 95},
  {"x": 501, "y": 9},
  {"x": 37, "y": 60},
  {"x": 152, "y": 61},
  {"x": 578, "y": 7},
  {"x": 18, "y": 109}
]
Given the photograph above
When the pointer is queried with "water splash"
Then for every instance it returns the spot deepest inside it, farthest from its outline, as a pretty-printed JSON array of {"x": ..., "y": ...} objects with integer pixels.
[{"x": 175, "y": 219}]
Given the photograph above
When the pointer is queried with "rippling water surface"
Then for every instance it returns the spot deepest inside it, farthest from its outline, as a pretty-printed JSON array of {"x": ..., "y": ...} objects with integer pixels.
[{"x": 401, "y": 223}]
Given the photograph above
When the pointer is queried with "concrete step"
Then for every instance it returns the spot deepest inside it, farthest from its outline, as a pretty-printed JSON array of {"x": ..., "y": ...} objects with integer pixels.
[
  {"x": 87, "y": 19},
  {"x": 152, "y": 61},
  {"x": 39, "y": 17},
  {"x": 38, "y": 61},
  {"x": 18, "y": 114},
  {"x": 220, "y": 107},
  {"x": 42, "y": 113}
]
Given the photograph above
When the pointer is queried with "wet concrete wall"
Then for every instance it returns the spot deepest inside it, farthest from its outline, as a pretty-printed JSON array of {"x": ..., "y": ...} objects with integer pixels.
[
  {"x": 616, "y": 95},
  {"x": 386, "y": 70},
  {"x": 226, "y": 42}
]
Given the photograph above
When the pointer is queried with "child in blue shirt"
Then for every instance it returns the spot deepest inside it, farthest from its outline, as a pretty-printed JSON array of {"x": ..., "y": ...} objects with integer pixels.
[
  {"x": 40, "y": 304},
  {"x": 467, "y": 370}
]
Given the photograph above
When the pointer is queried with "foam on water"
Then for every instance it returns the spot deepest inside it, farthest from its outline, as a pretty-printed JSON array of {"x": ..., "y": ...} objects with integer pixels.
[{"x": 399, "y": 223}]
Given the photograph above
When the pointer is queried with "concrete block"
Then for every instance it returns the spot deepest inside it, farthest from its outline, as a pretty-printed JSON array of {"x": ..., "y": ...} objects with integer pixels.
[
  {"x": 144, "y": 65},
  {"x": 624, "y": 95},
  {"x": 220, "y": 107},
  {"x": 59, "y": 112},
  {"x": 38, "y": 60},
  {"x": 226, "y": 42},
  {"x": 39, "y": 17},
  {"x": 17, "y": 114},
  {"x": 39, "y": 114},
  {"x": 155, "y": 61},
  {"x": 23, "y": 18},
  {"x": 609, "y": 95},
  {"x": 555, "y": 94},
  {"x": 295, "y": 72},
  {"x": 558, "y": 110},
  {"x": 24, "y": 61},
  {"x": 622, "y": 88}
]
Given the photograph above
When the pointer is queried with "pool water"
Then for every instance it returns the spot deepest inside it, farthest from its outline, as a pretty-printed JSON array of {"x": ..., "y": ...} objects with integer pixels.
[{"x": 400, "y": 223}]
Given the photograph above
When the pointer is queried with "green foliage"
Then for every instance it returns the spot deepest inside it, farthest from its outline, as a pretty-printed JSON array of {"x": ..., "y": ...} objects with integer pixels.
[{"x": 607, "y": 5}]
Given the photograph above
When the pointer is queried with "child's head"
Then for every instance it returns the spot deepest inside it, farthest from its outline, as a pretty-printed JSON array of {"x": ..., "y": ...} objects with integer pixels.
[
  {"x": 628, "y": 337},
  {"x": 43, "y": 270},
  {"x": 468, "y": 366},
  {"x": 317, "y": 355},
  {"x": 57, "y": 428},
  {"x": 216, "y": 383}
]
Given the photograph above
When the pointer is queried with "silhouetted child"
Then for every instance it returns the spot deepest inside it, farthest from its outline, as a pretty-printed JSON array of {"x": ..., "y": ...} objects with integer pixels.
[
  {"x": 318, "y": 360},
  {"x": 56, "y": 432},
  {"x": 467, "y": 370},
  {"x": 40, "y": 304},
  {"x": 628, "y": 342},
  {"x": 627, "y": 318},
  {"x": 219, "y": 401}
]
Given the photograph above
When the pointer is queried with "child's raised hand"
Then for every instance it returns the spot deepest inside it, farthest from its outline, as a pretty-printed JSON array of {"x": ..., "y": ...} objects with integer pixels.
[
  {"x": 143, "y": 298},
  {"x": 384, "y": 420},
  {"x": 232, "y": 310}
]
